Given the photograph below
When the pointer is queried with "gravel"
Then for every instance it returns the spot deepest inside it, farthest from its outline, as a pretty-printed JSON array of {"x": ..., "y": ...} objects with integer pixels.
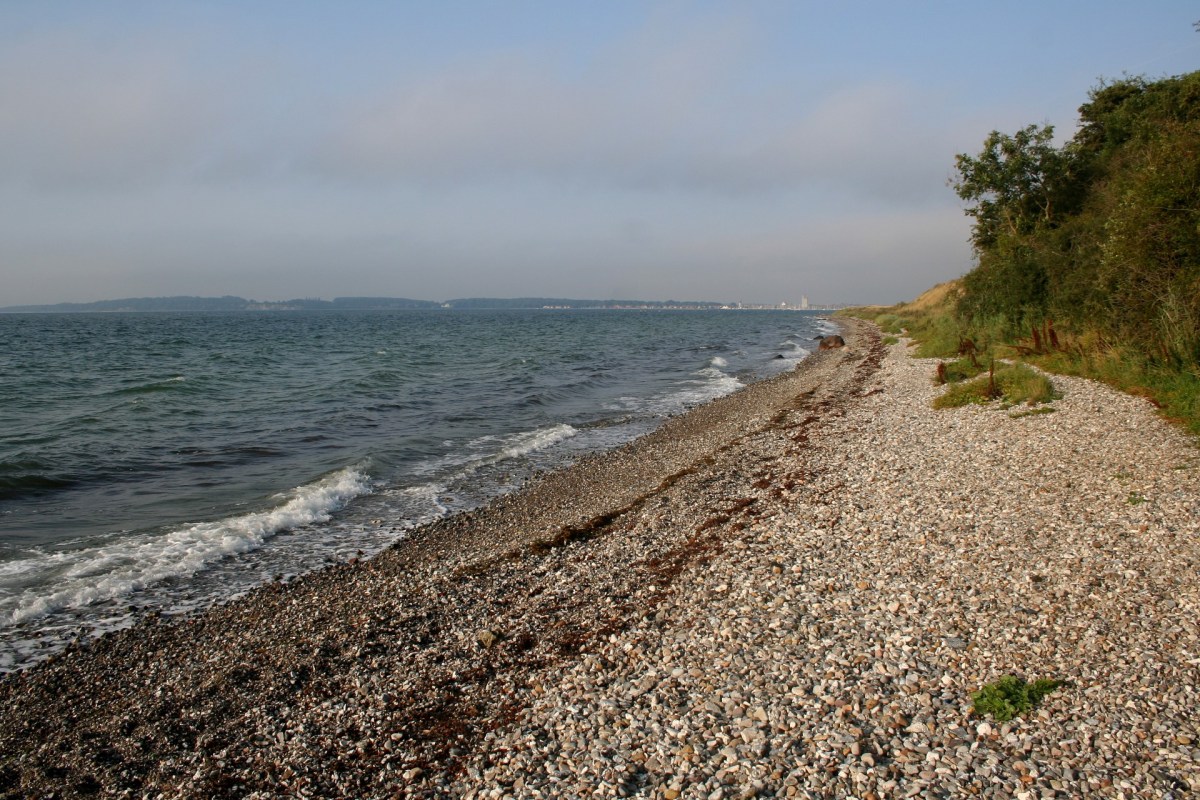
[{"x": 790, "y": 592}]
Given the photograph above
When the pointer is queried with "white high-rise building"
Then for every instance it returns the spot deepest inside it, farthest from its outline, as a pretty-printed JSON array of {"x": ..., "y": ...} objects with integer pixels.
[{"x": 804, "y": 302}]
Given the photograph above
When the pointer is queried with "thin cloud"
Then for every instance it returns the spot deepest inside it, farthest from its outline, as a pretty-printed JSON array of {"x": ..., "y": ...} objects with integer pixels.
[
  {"x": 637, "y": 102},
  {"x": 670, "y": 112},
  {"x": 79, "y": 112},
  {"x": 667, "y": 107}
]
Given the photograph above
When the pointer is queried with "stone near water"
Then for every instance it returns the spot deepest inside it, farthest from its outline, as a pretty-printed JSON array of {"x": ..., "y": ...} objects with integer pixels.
[{"x": 831, "y": 342}]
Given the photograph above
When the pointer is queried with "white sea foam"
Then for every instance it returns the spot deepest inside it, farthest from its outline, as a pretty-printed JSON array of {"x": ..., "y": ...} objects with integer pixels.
[
  {"x": 488, "y": 450},
  {"x": 114, "y": 570},
  {"x": 717, "y": 383},
  {"x": 718, "y": 362},
  {"x": 521, "y": 444},
  {"x": 707, "y": 384},
  {"x": 420, "y": 504},
  {"x": 793, "y": 350}
]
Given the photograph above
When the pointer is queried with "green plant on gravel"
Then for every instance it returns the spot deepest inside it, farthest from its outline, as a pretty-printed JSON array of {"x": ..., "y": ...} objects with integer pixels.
[
  {"x": 1012, "y": 383},
  {"x": 1033, "y": 412},
  {"x": 1010, "y": 696},
  {"x": 890, "y": 340},
  {"x": 1136, "y": 498},
  {"x": 960, "y": 369}
]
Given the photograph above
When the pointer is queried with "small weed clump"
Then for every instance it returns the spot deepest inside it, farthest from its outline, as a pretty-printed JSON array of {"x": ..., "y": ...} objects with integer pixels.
[
  {"x": 1010, "y": 696},
  {"x": 890, "y": 340},
  {"x": 1033, "y": 412},
  {"x": 1012, "y": 383},
  {"x": 1136, "y": 498}
]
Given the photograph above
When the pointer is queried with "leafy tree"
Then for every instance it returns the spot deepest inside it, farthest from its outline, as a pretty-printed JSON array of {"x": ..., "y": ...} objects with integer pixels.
[{"x": 1013, "y": 183}]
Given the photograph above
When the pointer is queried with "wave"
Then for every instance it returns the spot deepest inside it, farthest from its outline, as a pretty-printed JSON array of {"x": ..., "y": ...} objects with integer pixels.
[
  {"x": 25, "y": 474},
  {"x": 794, "y": 350},
  {"x": 120, "y": 568},
  {"x": 715, "y": 383},
  {"x": 521, "y": 444},
  {"x": 13, "y": 487},
  {"x": 165, "y": 385},
  {"x": 488, "y": 451},
  {"x": 704, "y": 384},
  {"x": 566, "y": 390},
  {"x": 417, "y": 505},
  {"x": 826, "y": 325}
]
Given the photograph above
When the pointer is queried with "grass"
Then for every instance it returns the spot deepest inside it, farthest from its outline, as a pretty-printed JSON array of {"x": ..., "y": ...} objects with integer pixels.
[
  {"x": 1136, "y": 498},
  {"x": 1011, "y": 383},
  {"x": 890, "y": 323},
  {"x": 1010, "y": 697},
  {"x": 960, "y": 369},
  {"x": 890, "y": 340}
]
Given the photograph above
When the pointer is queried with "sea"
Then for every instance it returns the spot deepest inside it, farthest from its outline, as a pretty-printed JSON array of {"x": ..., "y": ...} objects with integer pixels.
[{"x": 160, "y": 463}]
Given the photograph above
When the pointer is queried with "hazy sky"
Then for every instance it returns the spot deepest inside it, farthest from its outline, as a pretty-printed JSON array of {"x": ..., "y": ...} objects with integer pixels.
[{"x": 744, "y": 151}]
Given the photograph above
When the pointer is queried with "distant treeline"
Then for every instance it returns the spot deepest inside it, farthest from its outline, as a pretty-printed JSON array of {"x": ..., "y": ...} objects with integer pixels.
[
  {"x": 230, "y": 303},
  {"x": 1100, "y": 235},
  {"x": 226, "y": 303}
]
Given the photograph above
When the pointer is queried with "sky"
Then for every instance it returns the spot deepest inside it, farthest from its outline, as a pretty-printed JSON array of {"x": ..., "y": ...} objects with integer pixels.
[{"x": 743, "y": 151}]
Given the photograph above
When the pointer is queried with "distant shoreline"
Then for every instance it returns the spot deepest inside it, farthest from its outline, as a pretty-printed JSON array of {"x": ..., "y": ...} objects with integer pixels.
[
  {"x": 234, "y": 304},
  {"x": 230, "y": 303}
]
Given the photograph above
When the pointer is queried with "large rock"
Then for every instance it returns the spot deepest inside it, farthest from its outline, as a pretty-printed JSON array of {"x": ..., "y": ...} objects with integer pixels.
[{"x": 832, "y": 342}]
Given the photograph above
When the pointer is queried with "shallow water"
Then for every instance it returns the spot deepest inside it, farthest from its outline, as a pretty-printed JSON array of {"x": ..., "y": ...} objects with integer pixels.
[{"x": 163, "y": 462}]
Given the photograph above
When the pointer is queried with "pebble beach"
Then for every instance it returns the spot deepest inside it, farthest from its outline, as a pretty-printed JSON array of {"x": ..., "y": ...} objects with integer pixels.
[{"x": 792, "y": 591}]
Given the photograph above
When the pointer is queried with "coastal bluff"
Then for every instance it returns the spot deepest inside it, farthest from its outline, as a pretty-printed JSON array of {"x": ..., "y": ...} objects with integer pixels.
[{"x": 791, "y": 591}]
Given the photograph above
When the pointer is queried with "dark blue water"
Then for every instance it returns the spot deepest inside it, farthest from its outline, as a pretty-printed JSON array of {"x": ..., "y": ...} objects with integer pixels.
[{"x": 168, "y": 461}]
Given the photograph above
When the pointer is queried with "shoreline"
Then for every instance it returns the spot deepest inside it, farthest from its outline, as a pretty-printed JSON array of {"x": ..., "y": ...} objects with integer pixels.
[
  {"x": 419, "y": 607},
  {"x": 790, "y": 591}
]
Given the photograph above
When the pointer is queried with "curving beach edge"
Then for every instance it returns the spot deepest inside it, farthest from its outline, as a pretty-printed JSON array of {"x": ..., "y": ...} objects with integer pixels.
[{"x": 790, "y": 591}]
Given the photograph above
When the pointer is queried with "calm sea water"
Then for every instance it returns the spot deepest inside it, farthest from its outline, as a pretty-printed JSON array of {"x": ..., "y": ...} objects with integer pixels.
[{"x": 164, "y": 462}]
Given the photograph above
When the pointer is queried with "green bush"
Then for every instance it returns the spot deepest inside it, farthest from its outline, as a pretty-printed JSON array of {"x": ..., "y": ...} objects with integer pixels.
[
  {"x": 937, "y": 336},
  {"x": 890, "y": 323}
]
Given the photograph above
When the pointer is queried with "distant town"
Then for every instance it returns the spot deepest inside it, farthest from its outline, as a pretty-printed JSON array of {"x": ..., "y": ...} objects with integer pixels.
[{"x": 232, "y": 304}]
